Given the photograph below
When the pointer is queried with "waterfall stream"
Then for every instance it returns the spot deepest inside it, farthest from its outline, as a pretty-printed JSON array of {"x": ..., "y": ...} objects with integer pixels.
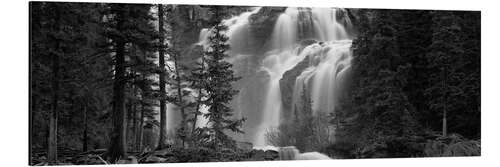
[{"x": 329, "y": 58}]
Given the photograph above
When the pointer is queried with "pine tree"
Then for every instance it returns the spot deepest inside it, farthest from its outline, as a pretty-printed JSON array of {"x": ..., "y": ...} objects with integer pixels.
[
  {"x": 163, "y": 98},
  {"x": 218, "y": 86},
  {"x": 128, "y": 25},
  {"x": 383, "y": 110},
  {"x": 63, "y": 35},
  {"x": 198, "y": 76},
  {"x": 444, "y": 58},
  {"x": 178, "y": 83}
]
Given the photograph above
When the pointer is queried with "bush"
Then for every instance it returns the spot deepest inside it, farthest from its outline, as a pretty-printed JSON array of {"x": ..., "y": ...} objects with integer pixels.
[{"x": 452, "y": 146}]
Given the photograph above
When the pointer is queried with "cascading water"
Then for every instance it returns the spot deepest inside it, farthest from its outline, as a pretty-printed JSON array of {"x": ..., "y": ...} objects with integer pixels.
[
  {"x": 275, "y": 65},
  {"x": 285, "y": 30},
  {"x": 329, "y": 59},
  {"x": 327, "y": 63}
]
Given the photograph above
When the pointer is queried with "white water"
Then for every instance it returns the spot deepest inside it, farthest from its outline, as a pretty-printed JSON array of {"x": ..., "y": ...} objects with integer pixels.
[
  {"x": 329, "y": 59},
  {"x": 275, "y": 65},
  {"x": 285, "y": 30}
]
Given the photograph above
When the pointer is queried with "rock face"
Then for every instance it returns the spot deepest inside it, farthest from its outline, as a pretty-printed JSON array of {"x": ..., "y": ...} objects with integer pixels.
[
  {"x": 261, "y": 27},
  {"x": 188, "y": 22},
  {"x": 287, "y": 84},
  {"x": 305, "y": 22}
]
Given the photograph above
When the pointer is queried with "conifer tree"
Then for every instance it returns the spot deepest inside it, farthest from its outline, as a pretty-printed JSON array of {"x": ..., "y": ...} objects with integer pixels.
[
  {"x": 218, "y": 86},
  {"x": 128, "y": 25},
  {"x": 162, "y": 73},
  {"x": 444, "y": 58},
  {"x": 383, "y": 110}
]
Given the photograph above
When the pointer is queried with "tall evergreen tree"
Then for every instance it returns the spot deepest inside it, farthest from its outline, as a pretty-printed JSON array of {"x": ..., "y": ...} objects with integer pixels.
[
  {"x": 444, "y": 58},
  {"x": 218, "y": 85},
  {"x": 162, "y": 73},
  {"x": 384, "y": 112},
  {"x": 127, "y": 25},
  {"x": 64, "y": 34}
]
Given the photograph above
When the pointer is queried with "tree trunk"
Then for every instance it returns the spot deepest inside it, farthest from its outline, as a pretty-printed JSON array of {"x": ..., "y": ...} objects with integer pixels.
[
  {"x": 141, "y": 129},
  {"x": 179, "y": 98},
  {"x": 85, "y": 128},
  {"x": 198, "y": 105},
  {"x": 141, "y": 117},
  {"x": 117, "y": 148},
  {"x": 444, "y": 123},
  {"x": 134, "y": 126},
  {"x": 163, "y": 106},
  {"x": 128, "y": 109},
  {"x": 52, "y": 148},
  {"x": 444, "y": 104},
  {"x": 33, "y": 102}
]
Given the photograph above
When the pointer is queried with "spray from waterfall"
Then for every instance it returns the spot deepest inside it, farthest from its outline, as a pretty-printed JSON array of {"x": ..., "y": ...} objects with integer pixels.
[
  {"x": 329, "y": 59},
  {"x": 237, "y": 33},
  {"x": 326, "y": 63}
]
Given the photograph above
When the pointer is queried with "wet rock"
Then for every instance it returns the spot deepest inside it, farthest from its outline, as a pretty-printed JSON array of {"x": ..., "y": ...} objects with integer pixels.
[
  {"x": 305, "y": 22},
  {"x": 155, "y": 159},
  {"x": 261, "y": 27},
  {"x": 271, "y": 155},
  {"x": 287, "y": 84}
]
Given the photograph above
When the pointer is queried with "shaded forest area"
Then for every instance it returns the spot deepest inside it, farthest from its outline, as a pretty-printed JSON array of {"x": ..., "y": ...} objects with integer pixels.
[
  {"x": 98, "y": 71},
  {"x": 415, "y": 89}
]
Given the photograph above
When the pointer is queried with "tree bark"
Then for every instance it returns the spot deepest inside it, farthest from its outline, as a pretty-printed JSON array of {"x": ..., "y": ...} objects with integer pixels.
[
  {"x": 163, "y": 106},
  {"x": 85, "y": 128},
  {"x": 198, "y": 105},
  {"x": 134, "y": 125},
  {"x": 141, "y": 129},
  {"x": 117, "y": 148},
  {"x": 128, "y": 110},
  {"x": 445, "y": 133},
  {"x": 52, "y": 148},
  {"x": 141, "y": 117}
]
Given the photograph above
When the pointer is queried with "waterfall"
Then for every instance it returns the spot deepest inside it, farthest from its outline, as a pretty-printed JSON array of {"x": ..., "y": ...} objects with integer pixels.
[
  {"x": 329, "y": 58},
  {"x": 275, "y": 65},
  {"x": 285, "y": 30},
  {"x": 326, "y": 63}
]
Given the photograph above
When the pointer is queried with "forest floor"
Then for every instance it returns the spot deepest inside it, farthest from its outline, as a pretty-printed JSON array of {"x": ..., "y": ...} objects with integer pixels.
[{"x": 168, "y": 155}]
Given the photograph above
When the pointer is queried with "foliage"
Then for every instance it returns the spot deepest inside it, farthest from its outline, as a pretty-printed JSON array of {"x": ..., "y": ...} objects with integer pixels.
[
  {"x": 85, "y": 73},
  {"x": 307, "y": 132},
  {"x": 453, "y": 145},
  {"x": 82, "y": 73},
  {"x": 219, "y": 78},
  {"x": 405, "y": 77}
]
